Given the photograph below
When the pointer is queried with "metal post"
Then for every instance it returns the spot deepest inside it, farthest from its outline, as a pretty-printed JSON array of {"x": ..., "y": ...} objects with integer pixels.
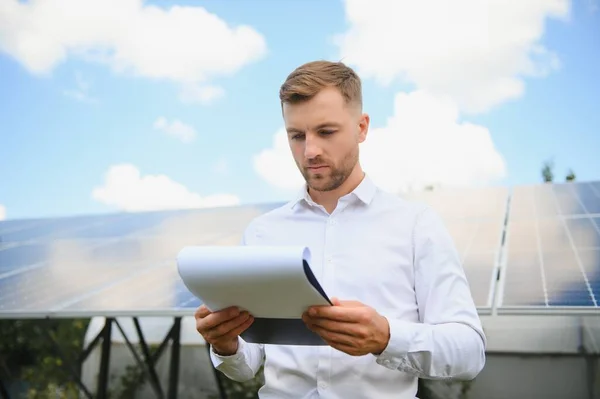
[
  {"x": 105, "y": 360},
  {"x": 148, "y": 358},
  {"x": 174, "y": 366}
]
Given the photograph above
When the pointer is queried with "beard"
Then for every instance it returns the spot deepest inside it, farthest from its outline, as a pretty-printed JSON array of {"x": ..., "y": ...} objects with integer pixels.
[{"x": 333, "y": 176}]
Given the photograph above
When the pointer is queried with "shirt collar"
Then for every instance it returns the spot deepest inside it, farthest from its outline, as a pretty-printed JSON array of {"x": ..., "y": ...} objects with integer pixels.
[{"x": 365, "y": 192}]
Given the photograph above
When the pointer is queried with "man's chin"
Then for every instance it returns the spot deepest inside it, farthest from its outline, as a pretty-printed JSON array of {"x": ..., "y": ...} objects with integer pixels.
[{"x": 322, "y": 184}]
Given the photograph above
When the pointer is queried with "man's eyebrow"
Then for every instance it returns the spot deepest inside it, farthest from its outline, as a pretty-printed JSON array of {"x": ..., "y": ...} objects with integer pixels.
[
  {"x": 320, "y": 126},
  {"x": 291, "y": 130},
  {"x": 327, "y": 124}
]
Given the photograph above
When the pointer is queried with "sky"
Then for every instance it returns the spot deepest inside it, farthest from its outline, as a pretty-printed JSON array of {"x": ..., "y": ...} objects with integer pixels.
[{"x": 124, "y": 105}]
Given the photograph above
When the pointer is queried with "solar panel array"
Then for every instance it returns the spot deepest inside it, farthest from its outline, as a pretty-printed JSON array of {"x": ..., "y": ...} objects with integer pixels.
[
  {"x": 120, "y": 264},
  {"x": 552, "y": 252},
  {"x": 543, "y": 241}
]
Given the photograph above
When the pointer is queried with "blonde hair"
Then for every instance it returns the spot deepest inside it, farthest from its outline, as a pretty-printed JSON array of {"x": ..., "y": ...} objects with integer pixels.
[{"x": 309, "y": 79}]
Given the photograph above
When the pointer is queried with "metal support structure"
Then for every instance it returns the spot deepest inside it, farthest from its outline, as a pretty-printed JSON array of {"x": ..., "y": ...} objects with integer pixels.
[
  {"x": 146, "y": 362},
  {"x": 148, "y": 359},
  {"x": 105, "y": 360},
  {"x": 174, "y": 366},
  {"x": 75, "y": 374}
]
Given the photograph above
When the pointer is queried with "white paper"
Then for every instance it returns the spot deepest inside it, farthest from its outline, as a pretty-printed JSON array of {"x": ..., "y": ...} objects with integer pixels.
[{"x": 268, "y": 281}]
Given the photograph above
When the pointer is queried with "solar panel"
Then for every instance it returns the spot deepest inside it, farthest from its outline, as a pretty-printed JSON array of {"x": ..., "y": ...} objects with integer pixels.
[
  {"x": 118, "y": 264},
  {"x": 552, "y": 252},
  {"x": 474, "y": 218}
]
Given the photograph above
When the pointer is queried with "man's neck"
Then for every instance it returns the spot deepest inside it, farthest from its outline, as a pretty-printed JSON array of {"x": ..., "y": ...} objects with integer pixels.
[{"x": 329, "y": 199}]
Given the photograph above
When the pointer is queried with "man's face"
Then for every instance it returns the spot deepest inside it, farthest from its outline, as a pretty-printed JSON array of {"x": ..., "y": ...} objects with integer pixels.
[{"x": 324, "y": 134}]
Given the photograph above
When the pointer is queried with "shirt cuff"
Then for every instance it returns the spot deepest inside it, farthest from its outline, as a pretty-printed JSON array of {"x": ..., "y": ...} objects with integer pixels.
[
  {"x": 402, "y": 335},
  {"x": 237, "y": 357}
]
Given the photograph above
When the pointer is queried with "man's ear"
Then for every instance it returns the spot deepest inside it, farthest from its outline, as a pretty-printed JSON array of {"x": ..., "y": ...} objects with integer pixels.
[{"x": 363, "y": 127}]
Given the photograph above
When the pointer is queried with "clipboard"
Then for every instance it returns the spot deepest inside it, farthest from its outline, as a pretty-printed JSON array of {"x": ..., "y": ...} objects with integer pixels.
[{"x": 275, "y": 284}]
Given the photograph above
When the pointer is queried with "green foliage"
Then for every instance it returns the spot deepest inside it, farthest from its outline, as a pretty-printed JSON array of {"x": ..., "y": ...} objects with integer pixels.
[
  {"x": 570, "y": 176},
  {"x": 133, "y": 378},
  {"x": 243, "y": 390},
  {"x": 30, "y": 351},
  {"x": 547, "y": 171}
]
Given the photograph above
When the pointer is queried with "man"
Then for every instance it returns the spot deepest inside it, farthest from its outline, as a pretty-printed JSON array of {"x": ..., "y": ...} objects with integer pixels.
[{"x": 404, "y": 310}]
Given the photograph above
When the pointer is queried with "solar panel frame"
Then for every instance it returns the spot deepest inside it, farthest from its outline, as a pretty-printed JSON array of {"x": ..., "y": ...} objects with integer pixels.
[{"x": 554, "y": 230}]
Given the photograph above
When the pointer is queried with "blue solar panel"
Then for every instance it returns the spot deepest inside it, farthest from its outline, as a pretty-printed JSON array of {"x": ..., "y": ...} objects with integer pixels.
[
  {"x": 21, "y": 255},
  {"x": 108, "y": 264},
  {"x": 552, "y": 248},
  {"x": 589, "y": 197}
]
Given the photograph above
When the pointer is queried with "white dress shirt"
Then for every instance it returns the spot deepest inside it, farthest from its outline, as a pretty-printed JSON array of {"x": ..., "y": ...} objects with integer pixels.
[{"x": 393, "y": 255}]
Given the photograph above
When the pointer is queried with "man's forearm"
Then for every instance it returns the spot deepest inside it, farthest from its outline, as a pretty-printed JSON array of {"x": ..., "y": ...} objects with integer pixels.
[{"x": 443, "y": 351}]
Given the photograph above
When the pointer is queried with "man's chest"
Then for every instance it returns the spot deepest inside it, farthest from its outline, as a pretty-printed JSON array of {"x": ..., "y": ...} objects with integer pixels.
[{"x": 361, "y": 257}]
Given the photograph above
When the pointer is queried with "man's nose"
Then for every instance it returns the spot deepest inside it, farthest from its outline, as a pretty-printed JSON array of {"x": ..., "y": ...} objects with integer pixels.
[{"x": 312, "y": 147}]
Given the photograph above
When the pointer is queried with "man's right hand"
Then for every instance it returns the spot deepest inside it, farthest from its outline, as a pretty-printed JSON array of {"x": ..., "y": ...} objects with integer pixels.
[{"x": 221, "y": 329}]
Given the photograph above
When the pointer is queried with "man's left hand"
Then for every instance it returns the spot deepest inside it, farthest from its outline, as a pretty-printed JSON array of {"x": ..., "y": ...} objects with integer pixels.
[{"x": 349, "y": 326}]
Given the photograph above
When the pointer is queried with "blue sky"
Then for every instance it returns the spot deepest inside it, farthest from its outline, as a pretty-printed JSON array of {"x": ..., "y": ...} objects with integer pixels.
[{"x": 470, "y": 110}]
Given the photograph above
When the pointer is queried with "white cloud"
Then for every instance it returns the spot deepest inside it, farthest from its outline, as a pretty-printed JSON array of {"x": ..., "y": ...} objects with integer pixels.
[
  {"x": 188, "y": 45},
  {"x": 476, "y": 51},
  {"x": 423, "y": 143},
  {"x": 2, "y": 212},
  {"x": 126, "y": 189},
  {"x": 176, "y": 128},
  {"x": 276, "y": 164}
]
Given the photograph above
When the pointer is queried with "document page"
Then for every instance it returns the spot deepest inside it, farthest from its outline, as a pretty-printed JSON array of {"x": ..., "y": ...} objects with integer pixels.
[{"x": 275, "y": 284}]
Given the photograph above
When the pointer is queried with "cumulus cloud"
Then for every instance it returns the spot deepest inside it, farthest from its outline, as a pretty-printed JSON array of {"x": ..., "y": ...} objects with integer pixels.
[
  {"x": 183, "y": 44},
  {"x": 2, "y": 212},
  {"x": 476, "y": 51},
  {"x": 126, "y": 189},
  {"x": 276, "y": 164},
  {"x": 424, "y": 143},
  {"x": 176, "y": 128}
]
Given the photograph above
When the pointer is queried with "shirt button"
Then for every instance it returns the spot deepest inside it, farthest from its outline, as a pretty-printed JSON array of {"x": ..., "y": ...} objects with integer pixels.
[{"x": 323, "y": 385}]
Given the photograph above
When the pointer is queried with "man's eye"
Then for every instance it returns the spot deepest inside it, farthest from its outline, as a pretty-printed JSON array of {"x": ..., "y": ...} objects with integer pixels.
[
  {"x": 327, "y": 132},
  {"x": 297, "y": 136}
]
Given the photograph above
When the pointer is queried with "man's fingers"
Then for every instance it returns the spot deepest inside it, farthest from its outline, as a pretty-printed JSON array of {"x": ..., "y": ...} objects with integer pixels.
[
  {"x": 241, "y": 328},
  {"x": 214, "y": 319},
  {"x": 226, "y": 327},
  {"x": 333, "y": 337},
  {"x": 333, "y": 326},
  {"x": 356, "y": 304},
  {"x": 201, "y": 312},
  {"x": 338, "y": 313}
]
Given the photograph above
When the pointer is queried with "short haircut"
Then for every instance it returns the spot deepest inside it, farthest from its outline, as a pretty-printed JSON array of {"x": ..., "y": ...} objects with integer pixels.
[{"x": 309, "y": 79}]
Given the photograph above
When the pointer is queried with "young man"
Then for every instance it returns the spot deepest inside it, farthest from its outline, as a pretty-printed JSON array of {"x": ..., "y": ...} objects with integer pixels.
[{"x": 404, "y": 311}]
